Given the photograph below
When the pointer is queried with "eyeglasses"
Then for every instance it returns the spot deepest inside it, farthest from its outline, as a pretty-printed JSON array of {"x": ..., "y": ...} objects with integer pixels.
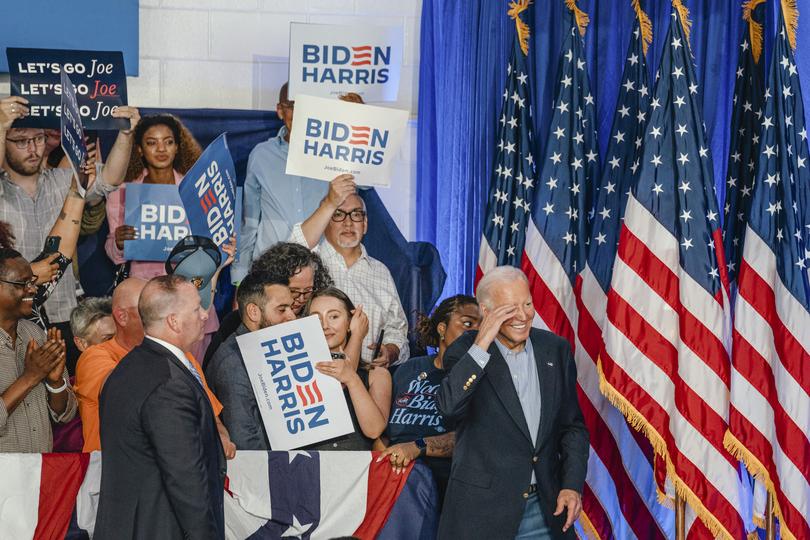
[
  {"x": 300, "y": 293},
  {"x": 355, "y": 215},
  {"x": 22, "y": 144},
  {"x": 30, "y": 282},
  {"x": 287, "y": 104}
]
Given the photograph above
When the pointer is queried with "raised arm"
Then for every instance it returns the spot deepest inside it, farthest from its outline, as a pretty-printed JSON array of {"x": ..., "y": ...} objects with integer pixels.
[
  {"x": 339, "y": 189},
  {"x": 118, "y": 159}
]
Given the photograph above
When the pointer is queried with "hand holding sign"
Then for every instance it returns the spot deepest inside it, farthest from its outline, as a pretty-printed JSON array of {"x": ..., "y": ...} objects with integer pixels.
[
  {"x": 129, "y": 113},
  {"x": 12, "y": 108}
]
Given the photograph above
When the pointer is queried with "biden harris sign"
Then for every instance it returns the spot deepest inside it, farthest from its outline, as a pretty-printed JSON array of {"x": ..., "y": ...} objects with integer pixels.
[
  {"x": 299, "y": 405},
  {"x": 327, "y": 60},
  {"x": 157, "y": 213},
  {"x": 330, "y": 137}
]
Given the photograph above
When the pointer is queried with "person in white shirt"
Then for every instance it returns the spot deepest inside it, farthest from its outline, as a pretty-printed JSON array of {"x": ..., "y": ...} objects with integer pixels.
[{"x": 336, "y": 231}]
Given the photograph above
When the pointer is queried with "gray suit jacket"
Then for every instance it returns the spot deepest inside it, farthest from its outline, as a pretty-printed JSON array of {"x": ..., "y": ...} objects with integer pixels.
[
  {"x": 229, "y": 381},
  {"x": 495, "y": 455}
]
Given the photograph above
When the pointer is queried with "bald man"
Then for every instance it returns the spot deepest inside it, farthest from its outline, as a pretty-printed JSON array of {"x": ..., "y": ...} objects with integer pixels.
[
  {"x": 98, "y": 361},
  {"x": 163, "y": 471}
]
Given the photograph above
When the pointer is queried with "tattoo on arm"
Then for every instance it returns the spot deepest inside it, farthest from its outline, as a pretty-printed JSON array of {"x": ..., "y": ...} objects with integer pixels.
[
  {"x": 62, "y": 215},
  {"x": 441, "y": 445}
]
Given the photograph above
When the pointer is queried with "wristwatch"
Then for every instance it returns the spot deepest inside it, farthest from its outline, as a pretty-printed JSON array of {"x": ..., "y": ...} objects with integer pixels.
[{"x": 422, "y": 446}]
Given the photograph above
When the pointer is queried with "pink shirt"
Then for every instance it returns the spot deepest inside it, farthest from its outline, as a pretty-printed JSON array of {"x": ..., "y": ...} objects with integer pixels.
[{"x": 116, "y": 204}]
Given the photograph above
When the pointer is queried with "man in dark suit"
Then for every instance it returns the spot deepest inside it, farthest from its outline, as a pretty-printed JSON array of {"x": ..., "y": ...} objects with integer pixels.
[
  {"x": 163, "y": 470},
  {"x": 521, "y": 443}
]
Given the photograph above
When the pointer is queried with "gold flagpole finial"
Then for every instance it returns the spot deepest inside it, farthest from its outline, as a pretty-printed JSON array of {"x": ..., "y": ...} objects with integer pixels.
[
  {"x": 645, "y": 24},
  {"x": 791, "y": 14},
  {"x": 754, "y": 27},
  {"x": 683, "y": 13},
  {"x": 515, "y": 9},
  {"x": 580, "y": 16}
]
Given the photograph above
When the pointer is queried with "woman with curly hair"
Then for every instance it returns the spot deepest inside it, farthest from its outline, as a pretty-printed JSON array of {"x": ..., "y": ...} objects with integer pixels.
[
  {"x": 164, "y": 150},
  {"x": 415, "y": 426},
  {"x": 285, "y": 261}
]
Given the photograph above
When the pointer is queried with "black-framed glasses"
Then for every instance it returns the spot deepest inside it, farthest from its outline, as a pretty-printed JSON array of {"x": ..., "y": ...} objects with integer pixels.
[
  {"x": 30, "y": 282},
  {"x": 299, "y": 293},
  {"x": 22, "y": 144},
  {"x": 357, "y": 215}
]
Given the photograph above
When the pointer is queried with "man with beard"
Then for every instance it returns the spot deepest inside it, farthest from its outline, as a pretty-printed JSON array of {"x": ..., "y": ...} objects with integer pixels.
[
  {"x": 33, "y": 379},
  {"x": 336, "y": 230},
  {"x": 264, "y": 300},
  {"x": 31, "y": 197}
]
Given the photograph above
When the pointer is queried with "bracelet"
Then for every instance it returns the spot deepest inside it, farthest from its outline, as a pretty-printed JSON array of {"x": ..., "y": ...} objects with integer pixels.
[{"x": 53, "y": 390}]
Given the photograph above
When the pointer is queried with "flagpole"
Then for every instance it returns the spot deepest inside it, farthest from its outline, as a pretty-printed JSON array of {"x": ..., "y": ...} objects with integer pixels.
[
  {"x": 770, "y": 529},
  {"x": 680, "y": 517}
]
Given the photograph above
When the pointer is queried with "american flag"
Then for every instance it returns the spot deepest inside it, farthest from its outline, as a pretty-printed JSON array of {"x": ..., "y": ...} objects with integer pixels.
[
  {"x": 555, "y": 251},
  {"x": 620, "y": 470},
  {"x": 513, "y": 177},
  {"x": 665, "y": 359},
  {"x": 745, "y": 123},
  {"x": 770, "y": 380}
]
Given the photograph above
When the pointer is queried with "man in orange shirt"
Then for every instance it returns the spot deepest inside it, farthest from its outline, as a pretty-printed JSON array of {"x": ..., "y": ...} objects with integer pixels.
[{"x": 99, "y": 360}]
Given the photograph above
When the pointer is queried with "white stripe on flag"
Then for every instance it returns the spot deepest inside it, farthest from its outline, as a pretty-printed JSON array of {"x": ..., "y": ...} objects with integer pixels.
[
  {"x": 87, "y": 498},
  {"x": 342, "y": 509},
  {"x": 19, "y": 495},
  {"x": 249, "y": 507}
]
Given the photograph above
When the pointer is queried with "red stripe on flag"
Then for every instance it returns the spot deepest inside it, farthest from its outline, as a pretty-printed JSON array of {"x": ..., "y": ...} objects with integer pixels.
[
  {"x": 62, "y": 476},
  {"x": 384, "y": 487},
  {"x": 757, "y": 444},
  {"x": 662, "y": 353},
  {"x": 666, "y": 284},
  {"x": 596, "y": 514},
  {"x": 691, "y": 475},
  {"x": 761, "y": 297},
  {"x": 546, "y": 304},
  {"x": 790, "y": 436}
]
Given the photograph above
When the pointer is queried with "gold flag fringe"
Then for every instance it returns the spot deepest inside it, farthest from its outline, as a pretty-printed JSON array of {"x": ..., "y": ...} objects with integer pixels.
[
  {"x": 683, "y": 12},
  {"x": 754, "y": 28},
  {"x": 791, "y": 14},
  {"x": 737, "y": 449},
  {"x": 645, "y": 24},
  {"x": 637, "y": 420},
  {"x": 580, "y": 16},
  {"x": 523, "y": 32},
  {"x": 587, "y": 526}
]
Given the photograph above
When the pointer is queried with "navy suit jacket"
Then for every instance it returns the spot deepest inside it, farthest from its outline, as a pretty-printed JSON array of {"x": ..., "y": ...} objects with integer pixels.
[
  {"x": 163, "y": 467},
  {"x": 494, "y": 455}
]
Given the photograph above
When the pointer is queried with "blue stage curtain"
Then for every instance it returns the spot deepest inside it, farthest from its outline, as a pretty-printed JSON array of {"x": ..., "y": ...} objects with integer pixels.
[{"x": 464, "y": 49}]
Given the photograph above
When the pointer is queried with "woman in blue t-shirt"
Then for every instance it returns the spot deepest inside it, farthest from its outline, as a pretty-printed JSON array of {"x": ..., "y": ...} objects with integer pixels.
[{"x": 415, "y": 426}]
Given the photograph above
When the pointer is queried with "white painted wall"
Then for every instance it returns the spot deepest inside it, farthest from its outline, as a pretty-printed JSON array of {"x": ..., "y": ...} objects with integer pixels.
[{"x": 233, "y": 54}]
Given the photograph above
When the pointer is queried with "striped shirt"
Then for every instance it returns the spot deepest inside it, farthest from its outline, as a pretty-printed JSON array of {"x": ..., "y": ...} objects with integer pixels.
[
  {"x": 31, "y": 220},
  {"x": 28, "y": 427}
]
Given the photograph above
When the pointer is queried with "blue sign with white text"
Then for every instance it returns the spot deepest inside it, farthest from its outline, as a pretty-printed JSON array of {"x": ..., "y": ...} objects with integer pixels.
[
  {"x": 100, "y": 85},
  {"x": 209, "y": 195},
  {"x": 72, "y": 132},
  {"x": 157, "y": 213}
]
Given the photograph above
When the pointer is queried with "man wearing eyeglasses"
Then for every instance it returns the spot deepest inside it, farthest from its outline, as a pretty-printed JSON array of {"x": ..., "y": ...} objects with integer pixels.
[
  {"x": 336, "y": 230},
  {"x": 273, "y": 200},
  {"x": 33, "y": 379},
  {"x": 31, "y": 198}
]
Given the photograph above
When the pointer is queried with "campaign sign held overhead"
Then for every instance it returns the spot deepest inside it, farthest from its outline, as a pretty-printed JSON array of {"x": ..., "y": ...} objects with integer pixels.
[
  {"x": 99, "y": 77},
  {"x": 157, "y": 213},
  {"x": 331, "y": 137},
  {"x": 299, "y": 405},
  {"x": 208, "y": 192},
  {"x": 327, "y": 60},
  {"x": 72, "y": 133}
]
